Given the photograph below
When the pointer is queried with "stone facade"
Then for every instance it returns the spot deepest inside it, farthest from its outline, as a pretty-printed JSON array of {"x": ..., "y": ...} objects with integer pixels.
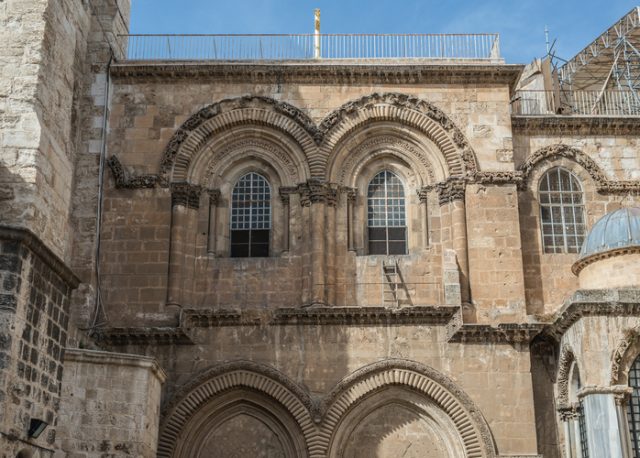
[{"x": 127, "y": 326}]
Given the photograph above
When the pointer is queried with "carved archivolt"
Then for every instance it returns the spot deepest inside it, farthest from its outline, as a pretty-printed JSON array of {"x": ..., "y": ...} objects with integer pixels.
[
  {"x": 319, "y": 419},
  {"x": 564, "y": 371},
  {"x": 624, "y": 355},
  {"x": 316, "y": 142},
  {"x": 196, "y": 131},
  {"x": 559, "y": 150},
  {"x": 406, "y": 110},
  {"x": 240, "y": 374}
]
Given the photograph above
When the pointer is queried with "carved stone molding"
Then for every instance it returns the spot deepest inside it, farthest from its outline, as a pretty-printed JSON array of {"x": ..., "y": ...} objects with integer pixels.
[
  {"x": 346, "y": 316},
  {"x": 623, "y": 302},
  {"x": 326, "y": 72},
  {"x": 352, "y": 194},
  {"x": 124, "y": 181},
  {"x": 577, "y": 125},
  {"x": 559, "y": 150},
  {"x": 503, "y": 333},
  {"x": 384, "y": 145},
  {"x": 580, "y": 264},
  {"x": 243, "y": 147},
  {"x": 115, "y": 337},
  {"x": 498, "y": 177},
  {"x": 186, "y": 195}
]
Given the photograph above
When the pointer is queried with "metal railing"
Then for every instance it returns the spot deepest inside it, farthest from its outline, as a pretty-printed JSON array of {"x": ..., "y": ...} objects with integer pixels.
[
  {"x": 305, "y": 46},
  {"x": 580, "y": 103}
]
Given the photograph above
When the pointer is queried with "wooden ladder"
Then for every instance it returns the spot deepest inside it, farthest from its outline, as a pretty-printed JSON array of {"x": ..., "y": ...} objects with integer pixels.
[{"x": 391, "y": 281}]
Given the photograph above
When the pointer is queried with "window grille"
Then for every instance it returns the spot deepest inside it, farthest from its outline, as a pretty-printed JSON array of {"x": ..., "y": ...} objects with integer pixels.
[
  {"x": 250, "y": 217},
  {"x": 633, "y": 409},
  {"x": 386, "y": 215},
  {"x": 582, "y": 427},
  {"x": 561, "y": 212}
]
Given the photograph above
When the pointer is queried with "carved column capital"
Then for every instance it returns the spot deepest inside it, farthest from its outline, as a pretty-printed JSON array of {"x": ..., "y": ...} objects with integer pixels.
[
  {"x": 316, "y": 191},
  {"x": 185, "y": 194},
  {"x": 423, "y": 193},
  {"x": 214, "y": 196},
  {"x": 450, "y": 190},
  {"x": 569, "y": 412},
  {"x": 285, "y": 193}
]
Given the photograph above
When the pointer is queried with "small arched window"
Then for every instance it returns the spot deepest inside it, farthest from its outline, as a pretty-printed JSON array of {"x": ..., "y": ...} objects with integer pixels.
[
  {"x": 250, "y": 217},
  {"x": 561, "y": 212},
  {"x": 386, "y": 219},
  {"x": 633, "y": 409}
]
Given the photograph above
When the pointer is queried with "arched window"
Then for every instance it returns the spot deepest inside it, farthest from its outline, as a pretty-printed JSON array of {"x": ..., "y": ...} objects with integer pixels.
[
  {"x": 250, "y": 217},
  {"x": 561, "y": 212},
  {"x": 386, "y": 215},
  {"x": 633, "y": 409}
]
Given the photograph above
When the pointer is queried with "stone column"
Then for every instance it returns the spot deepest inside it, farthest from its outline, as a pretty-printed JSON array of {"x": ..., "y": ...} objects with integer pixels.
[
  {"x": 602, "y": 421},
  {"x": 185, "y": 200},
  {"x": 452, "y": 194},
  {"x": 351, "y": 201},
  {"x": 285, "y": 192},
  {"x": 214, "y": 197},
  {"x": 314, "y": 195},
  {"x": 424, "y": 215}
]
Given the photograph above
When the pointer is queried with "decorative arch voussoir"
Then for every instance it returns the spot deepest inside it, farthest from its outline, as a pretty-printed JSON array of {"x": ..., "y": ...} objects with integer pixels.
[
  {"x": 403, "y": 109},
  {"x": 565, "y": 361},
  {"x": 560, "y": 150},
  {"x": 470, "y": 424},
  {"x": 624, "y": 355},
  {"x": 239, "y": 374},
  {"x": 260, "y": 111}
]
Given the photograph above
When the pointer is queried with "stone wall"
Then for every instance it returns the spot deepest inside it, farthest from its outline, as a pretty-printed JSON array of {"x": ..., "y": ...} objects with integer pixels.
[
  {"x": 110, "y": 405},
  {"x": 34, "y": 313}
]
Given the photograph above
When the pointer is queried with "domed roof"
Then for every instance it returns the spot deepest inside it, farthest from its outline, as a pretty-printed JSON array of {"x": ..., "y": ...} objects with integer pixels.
[{"x": 617, "y": 229}]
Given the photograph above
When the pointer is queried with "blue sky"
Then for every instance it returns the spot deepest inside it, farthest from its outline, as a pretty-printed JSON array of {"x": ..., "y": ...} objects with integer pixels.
[{"x": 520, "y": 22}]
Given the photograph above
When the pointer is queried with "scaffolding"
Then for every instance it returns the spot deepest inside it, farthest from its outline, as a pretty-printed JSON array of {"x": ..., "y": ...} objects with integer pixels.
[{"x": 610, "y": 63}]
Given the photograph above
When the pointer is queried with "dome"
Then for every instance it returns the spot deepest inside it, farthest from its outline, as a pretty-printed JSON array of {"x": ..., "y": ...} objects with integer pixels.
[{"x": 618, "y": 229}]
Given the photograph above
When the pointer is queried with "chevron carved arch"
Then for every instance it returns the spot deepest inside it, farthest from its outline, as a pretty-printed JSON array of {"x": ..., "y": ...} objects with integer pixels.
[
  {"x": 624, "y": 355},
  {"x": 219, "y": 117},
  {"x": 238, "y": 374},
  {"x": 442, "y": 391},
  {"x": 565, "y": 362},
  {"x": 406, "y": 110}
]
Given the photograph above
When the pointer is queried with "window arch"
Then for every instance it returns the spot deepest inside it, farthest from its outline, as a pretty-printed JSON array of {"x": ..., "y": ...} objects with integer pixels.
[
  {"x": 250, "y": 217},
  {"x": 561, "y": 212},
  {"x": 386, "y": 218},
  {"x": 633, "y": 409},
  {"x": 577, "y": 445}
]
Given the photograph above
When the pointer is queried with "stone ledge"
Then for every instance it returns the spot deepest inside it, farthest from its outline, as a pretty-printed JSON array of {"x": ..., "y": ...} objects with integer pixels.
[
  {"x": 143, "y": 336},
  {"x": 597, "y": 302},
  {"x": 321, "y": 316},
  {"x": 33, "y": 243},
  {"x": 502, "y": 333},
  {"x": 582, "y": 125},
  {"x": 115, "y": 359},
  {"x": 323, "y": 73}
]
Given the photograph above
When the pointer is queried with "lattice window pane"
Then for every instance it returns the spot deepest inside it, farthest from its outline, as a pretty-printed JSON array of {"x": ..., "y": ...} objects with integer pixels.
[
  {"x": 250, "y": 216},
  {"x": 386, "y": 209},
  {"x": 561, "y": 212},
  {"x": 633, "y": 409}
]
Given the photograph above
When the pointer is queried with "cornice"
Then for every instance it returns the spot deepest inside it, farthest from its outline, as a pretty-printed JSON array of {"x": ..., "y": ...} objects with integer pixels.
[
  {"x": 579, "y": 125},
  {"x": 601, "y": 302},
  {"x": 502, "y": 333},
  {"x": 342, "y": 72},
  {"x": 117, "y": 337},
  {"x": 32, "y": 242},
  {"x": 116, "y": 359},
  {"x": 125, "y": 181},
  {"x": 580, "y": 264},
  {"x": 320, "y": 316}
]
